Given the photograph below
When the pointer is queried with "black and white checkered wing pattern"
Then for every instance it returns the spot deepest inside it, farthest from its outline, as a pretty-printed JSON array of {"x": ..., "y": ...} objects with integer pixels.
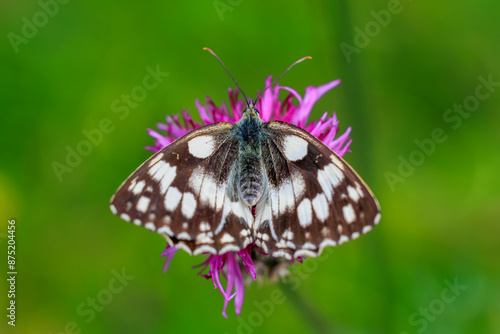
[
  {"x": 186, "y": 192},
  {"x": 315, "y": 199}
]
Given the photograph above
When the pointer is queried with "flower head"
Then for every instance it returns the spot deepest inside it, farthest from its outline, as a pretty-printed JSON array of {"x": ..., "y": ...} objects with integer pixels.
[
  {"x": 271, "y": 109},
  {"x": 254, "y": 262}
]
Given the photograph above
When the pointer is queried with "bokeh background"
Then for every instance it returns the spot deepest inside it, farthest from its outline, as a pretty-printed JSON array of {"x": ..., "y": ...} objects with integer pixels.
[{"x": 404, "y": 66}]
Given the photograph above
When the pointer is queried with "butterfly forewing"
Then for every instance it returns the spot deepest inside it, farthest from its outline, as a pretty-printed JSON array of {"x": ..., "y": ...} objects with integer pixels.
[
  {"x": 186, "y": 192},
  {"x": 315, "y": 199}
]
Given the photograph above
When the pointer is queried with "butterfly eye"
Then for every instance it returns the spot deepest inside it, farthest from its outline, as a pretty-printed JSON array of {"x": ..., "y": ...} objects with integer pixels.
[{"x": 257, "y": 112}]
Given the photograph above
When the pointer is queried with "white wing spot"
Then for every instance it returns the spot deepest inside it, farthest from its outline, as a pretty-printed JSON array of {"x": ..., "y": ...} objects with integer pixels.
[
  {"x": 359, "y": 189},
  {"x": 295, "y": 148},
  {"x": 137, "y": 222},
  {"x": 229, "y": 248},
  {"x": 183, "y": 236},
  {"x": 286, "y": 198},
  {"x": 163, "y": 173},
  {"x": 282, "y": 253},
  {"x": 172, "y": 198},
  {"x": 377, "y": 218},
  {"x": 188, "y": 205},
  {"x": 138, "y": 187},
  {"x": 155, "y": 159},
  {"x": 219, "y": 198},
  {"x": 326, "y": 243},
  {"x": 208, "y": 190},
  {"x": 308, "y": 245},
  {"x": 237, "y": 208},
  {"x": 299, "y": 185},
  {"x": 304, "y": 212},
  {"x": 355, "y": 235},
  {"x": 165, "y": 230},
  {"x": 325, "y": 183},
  {"x": 125, "y": 217},
  {"x": 263, "y": 213},
  {"x": 367, "y": 229},
  {"x": 263, "y": 236},
  {"x": 205, "y": 249},
  {"x": 304, "y": 252},
  {"x": 343, "y": 239},
  {"x": 349, "y": 214},
  {"x": 320, "y": 206},
  {"x": 288, "y": 234},
  {"x": 113, "y": 209},
  {"x": 156, "y": 171},
  {"x": 325, "y": 232},
  {"x": 340, "y": 229},
  {"x": 226, "y": 238},
  {"x": 150, "y": 226},
  {"x": 340, "y": 174},
  {"x": 132, "y": 184},
  {"x": 204, "y": 226},
  {"x": 275, "y": 198},
  {"x": 334, "y": 174},
  {"x": 204, "y": 238},
  {"x": 196, "y": 179},
  {"x": 338, "y": 161},
  {"x": 281, "y": 244},
  {"x": 353, "y": 194},
  {"x": 143, "y": 204},
  {"x": 202, "y": 146},
  {"x": 183, "y": 246},
  {"x": 167, "y": 179},
  {"x": 262, "y": 245}
]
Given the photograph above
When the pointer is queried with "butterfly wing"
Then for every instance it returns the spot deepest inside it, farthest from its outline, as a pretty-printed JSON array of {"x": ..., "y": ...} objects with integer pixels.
[
  {"x": 186, "y": 192},
  {"x": 314, "y": 199}
]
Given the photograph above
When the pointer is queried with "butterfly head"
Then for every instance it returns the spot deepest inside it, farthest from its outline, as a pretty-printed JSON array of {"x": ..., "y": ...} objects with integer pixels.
[{"x": 250, "y": 110}]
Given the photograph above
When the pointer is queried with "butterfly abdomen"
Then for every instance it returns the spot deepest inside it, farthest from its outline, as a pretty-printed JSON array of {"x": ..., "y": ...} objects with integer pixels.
[
  {"x": 250, "y": 171},
  {"x": 250, "y": 178}
]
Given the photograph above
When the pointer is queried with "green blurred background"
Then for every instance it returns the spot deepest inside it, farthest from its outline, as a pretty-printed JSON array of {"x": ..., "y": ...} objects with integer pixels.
[{"x": 403, "y": 67}]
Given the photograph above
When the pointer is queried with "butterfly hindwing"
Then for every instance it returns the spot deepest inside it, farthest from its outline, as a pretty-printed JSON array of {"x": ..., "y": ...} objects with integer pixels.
[
  {"x": 315, "y": 199},
  {"x": 187, "y": 193}
]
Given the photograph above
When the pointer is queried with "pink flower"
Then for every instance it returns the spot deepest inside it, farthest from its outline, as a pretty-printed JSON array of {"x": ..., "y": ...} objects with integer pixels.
[{"x": 229, "y": 265}]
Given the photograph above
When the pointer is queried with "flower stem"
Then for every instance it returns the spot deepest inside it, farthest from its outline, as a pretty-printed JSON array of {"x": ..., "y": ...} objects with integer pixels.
[{"x": 308, "y": 312}]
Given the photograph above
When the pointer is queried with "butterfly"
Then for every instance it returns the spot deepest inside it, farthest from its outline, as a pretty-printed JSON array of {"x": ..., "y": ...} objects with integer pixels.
[{"x": 224, "y": 186}]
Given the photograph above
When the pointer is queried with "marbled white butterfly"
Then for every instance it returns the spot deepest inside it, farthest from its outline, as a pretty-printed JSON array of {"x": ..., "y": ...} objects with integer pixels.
[{"x": 224, "y": 186}]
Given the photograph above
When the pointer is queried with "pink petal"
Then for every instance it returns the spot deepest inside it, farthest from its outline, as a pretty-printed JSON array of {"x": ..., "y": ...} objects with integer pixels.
[
  {"x": 312, "y": 95},
  {"x": 205, "y": 118},
  {"x": 169, "y": 252}
]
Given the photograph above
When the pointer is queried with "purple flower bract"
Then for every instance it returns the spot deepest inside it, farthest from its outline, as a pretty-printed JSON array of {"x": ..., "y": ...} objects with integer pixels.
[{"x": 228, "y": 266}]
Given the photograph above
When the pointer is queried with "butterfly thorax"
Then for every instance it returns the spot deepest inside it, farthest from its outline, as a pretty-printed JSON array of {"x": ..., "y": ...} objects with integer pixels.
[{"x": 250, "y": 176}]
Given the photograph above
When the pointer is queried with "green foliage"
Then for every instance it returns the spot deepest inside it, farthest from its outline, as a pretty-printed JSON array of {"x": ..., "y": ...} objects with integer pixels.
[{"x": 406, "y": 69}]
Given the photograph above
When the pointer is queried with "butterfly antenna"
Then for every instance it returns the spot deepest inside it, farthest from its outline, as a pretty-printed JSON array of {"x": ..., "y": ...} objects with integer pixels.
[
  {"x": 224, "y": 66},
  {"x": 279, "y": 77}
]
